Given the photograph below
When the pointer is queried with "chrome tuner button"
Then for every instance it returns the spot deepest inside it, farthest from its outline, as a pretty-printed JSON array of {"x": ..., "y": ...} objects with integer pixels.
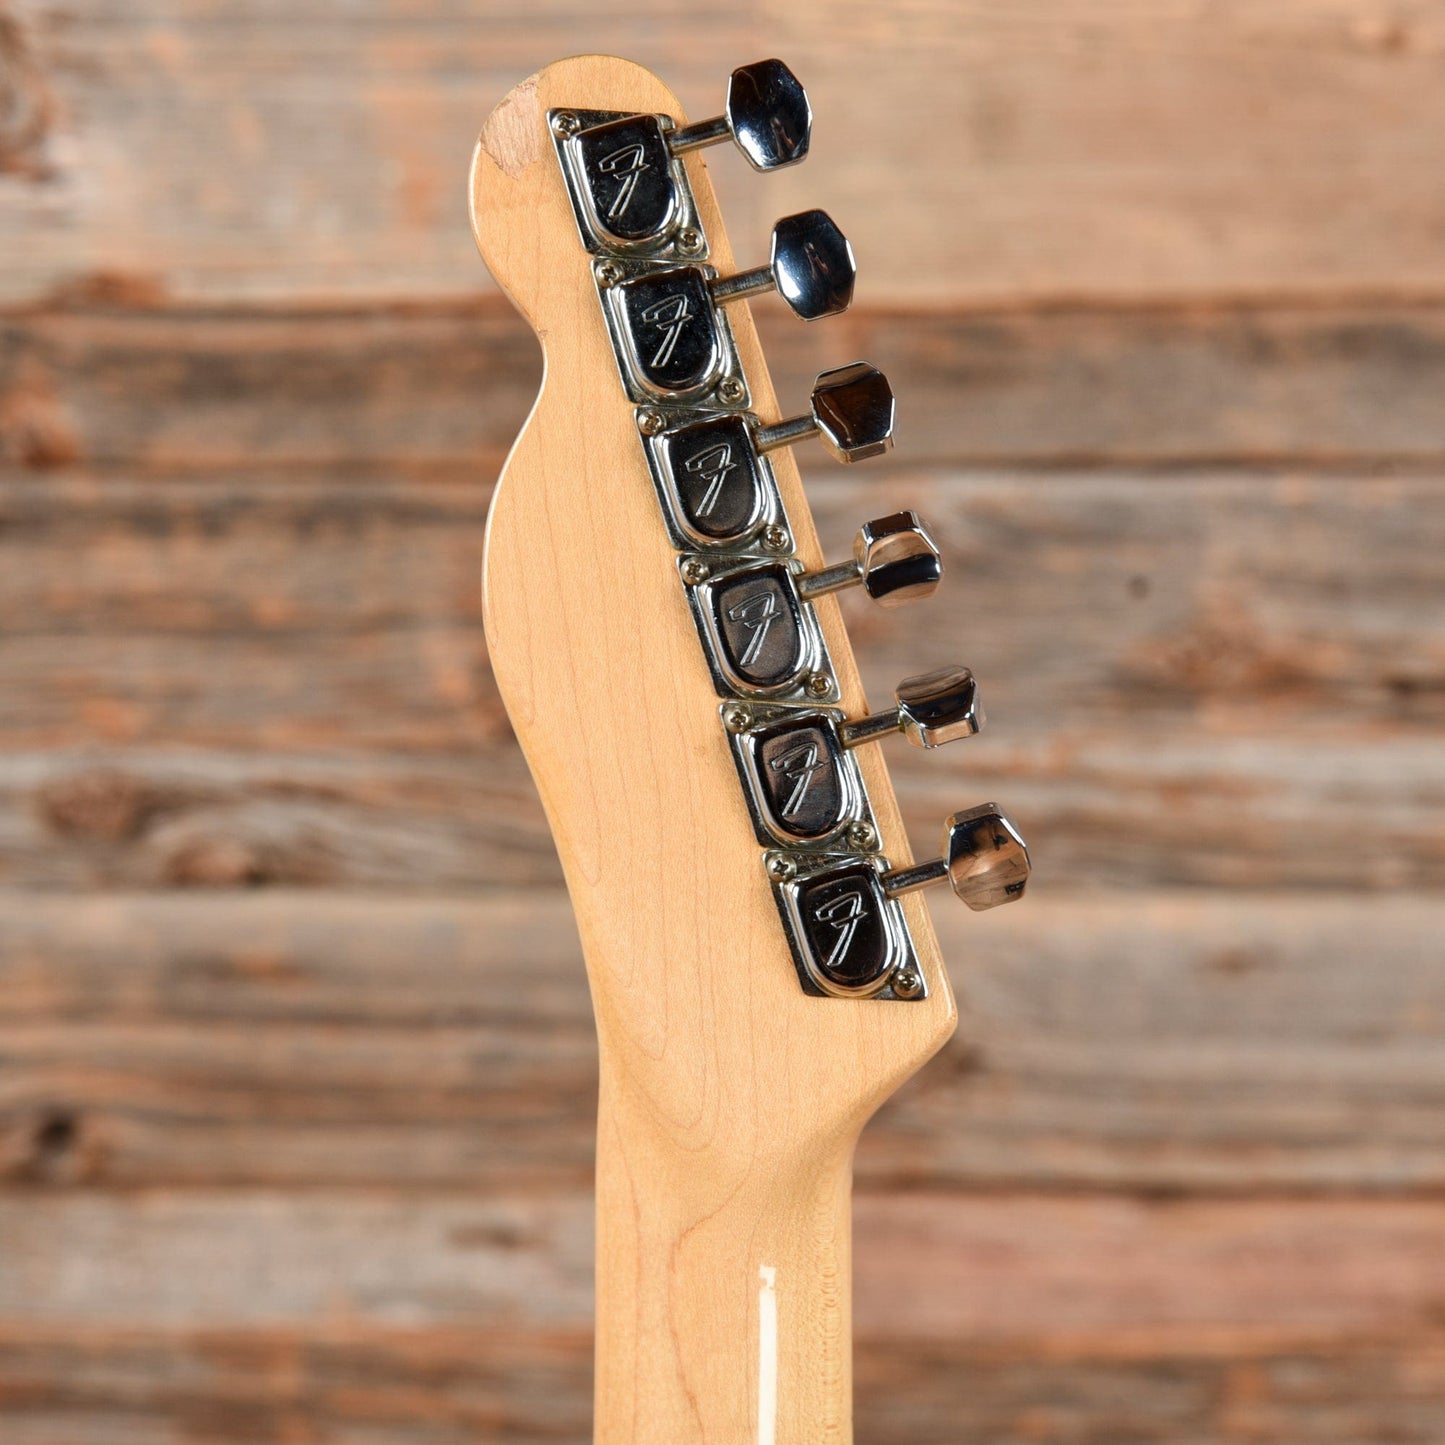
[
  {"x": 984, "y": 859},
  {"x": 768, "y": 117},
  {"x": 851, "y": 413},
  {"x": 933, "y": 708},
  {"x": 894, "y": 560},
  {"x": 811, "y": 268}
]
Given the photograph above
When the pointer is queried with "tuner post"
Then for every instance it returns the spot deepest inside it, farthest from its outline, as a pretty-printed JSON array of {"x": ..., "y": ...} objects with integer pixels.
[
  {"x": 851, "y": 411},
  {"x": 767, "y": 116},
  {"x": 895, "y": 560},
  {"x": 984, "y": 859},
  {"x": 933, "y": 708},
  {"x": 811, "y": 267}
]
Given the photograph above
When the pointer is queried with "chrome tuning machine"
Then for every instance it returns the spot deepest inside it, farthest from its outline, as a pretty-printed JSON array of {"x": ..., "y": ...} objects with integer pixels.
[
  {"x": 628, "y": 184},
  {"x": 933, "y": 708},
  {"x": 851, "y": 412},
  {"x": 760, "y": 634},
  {"x": 802, "y": 787},
  {"x": 984, "y": 860},
  {"x": 669, "y": 318},
  {"x": 846, "y": 929},
  {"x": 894, "y": 560},
  {"x": 767, "y": 116},
  {"x": 714, "y": 489},
  {"x": 810, "y": 266}
]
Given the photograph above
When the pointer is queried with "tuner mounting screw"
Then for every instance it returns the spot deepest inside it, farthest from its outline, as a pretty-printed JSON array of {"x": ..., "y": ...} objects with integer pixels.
[
  {"x": 818, "y": 684},
  {"x": 731, "y": 390},
  {"x": 736, "y": 718},
  {"x": 781, "y": 869},
  {"x": 649, "y": 423},
  {"x": 776, "y": 539},
  {"x": 862, "y": 837},
  {"x": 565, "y": 123},
  {"x": 907, "y": 983},
  {"x": 609, "y": 273},
  {"x": 689, "y": 240},
  {"x": 694, "y": 570}
]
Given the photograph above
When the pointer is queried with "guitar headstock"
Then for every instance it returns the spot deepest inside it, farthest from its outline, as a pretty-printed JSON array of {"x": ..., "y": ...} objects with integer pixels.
[{"x": 663, "y": 628}]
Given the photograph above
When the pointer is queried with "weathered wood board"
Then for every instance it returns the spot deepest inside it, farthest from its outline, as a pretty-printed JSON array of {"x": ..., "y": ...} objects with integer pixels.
[
  {"x": 1260, "y": 1273},
  {"x": 449, "y": 1386},
  {"x": 973, "y": 151},
  {"x": 441, "y": 389},
  {"x": 220, "y": 1317},
  {"x": 1157, "y": 651},
  {"x": 1161, "y": 1042},
  {"x": 296, "y": 1056}
]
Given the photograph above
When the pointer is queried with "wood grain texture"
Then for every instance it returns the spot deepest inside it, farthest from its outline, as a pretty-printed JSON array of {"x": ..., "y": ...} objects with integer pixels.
[
  {"x": 1051, "y": 1274},
  {"x": 1076, "y": 1320},
  {"x": 335, "y": 141},
  {"x": 1157, "y": 649},
  {"x": 263, "y": 773},
  {"x": 729, "y": 1100},
  {"x": 1152, "y": 1043},
  {"x": 284, "y": 963},
  {"x": 1127, "y": 151},
  {"x": 1061, "y": 149},
  {"x": 451, "y": 1386},
  {"x": 391, "y": 390}
]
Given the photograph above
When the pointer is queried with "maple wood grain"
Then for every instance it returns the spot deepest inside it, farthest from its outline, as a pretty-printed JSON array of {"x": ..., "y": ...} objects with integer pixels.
[
  {"x": 1160, "y": 291},
  {"x": 1149, "y": 1042},
  {"x": 438, "y": 390},
  {"x": 729, "y": 1100}
]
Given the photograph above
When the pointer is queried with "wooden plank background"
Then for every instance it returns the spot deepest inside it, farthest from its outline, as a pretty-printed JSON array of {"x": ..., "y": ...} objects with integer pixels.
[{"x": 296, "y": 1056}]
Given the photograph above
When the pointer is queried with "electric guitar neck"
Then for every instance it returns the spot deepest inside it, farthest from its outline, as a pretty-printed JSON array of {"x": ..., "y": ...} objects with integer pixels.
[{"x": 666, "y": 635}]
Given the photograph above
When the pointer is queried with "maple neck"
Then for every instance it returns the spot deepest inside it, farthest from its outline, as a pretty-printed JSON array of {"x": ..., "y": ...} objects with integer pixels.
[
  {"x": 757, "y": 994},
  {"x": 723, "y": 1297}
]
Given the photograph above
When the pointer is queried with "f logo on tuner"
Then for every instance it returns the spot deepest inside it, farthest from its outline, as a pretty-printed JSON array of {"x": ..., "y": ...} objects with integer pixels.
[{"x": 628, "y": 164}]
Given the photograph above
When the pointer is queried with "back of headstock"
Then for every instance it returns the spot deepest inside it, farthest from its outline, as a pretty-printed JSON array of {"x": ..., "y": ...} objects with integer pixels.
[{"x": 664, "y": 633}]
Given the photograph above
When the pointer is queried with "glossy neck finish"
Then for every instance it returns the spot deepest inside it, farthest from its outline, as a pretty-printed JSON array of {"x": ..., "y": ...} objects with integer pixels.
[{"x": 723, "y": 1294}]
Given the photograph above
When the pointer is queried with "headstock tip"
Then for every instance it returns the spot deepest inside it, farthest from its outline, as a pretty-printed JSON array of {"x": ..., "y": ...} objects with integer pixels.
[{"x": 591, "y": 217}]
